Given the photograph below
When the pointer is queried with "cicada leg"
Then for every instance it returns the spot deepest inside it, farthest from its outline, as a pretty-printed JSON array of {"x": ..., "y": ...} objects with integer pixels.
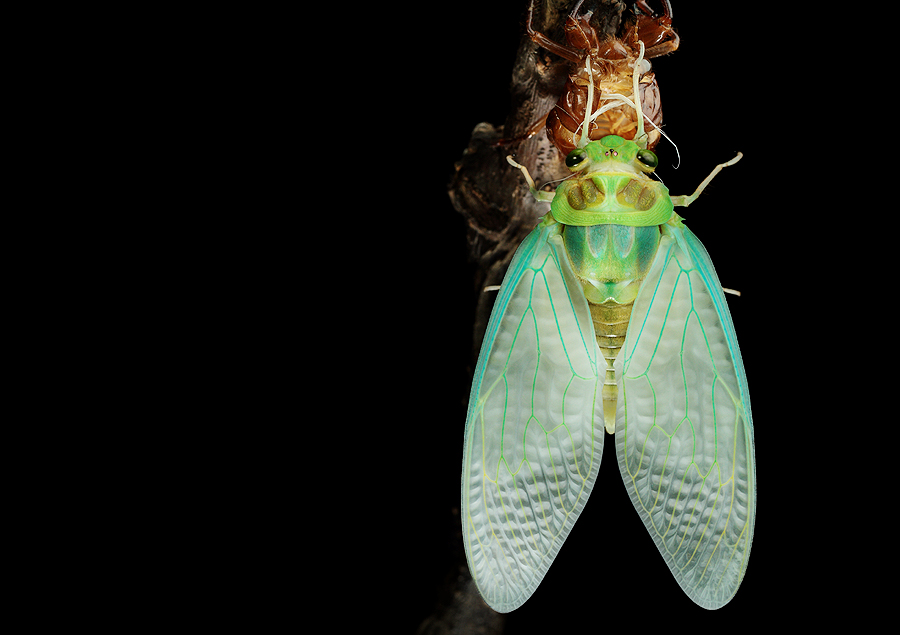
[
  {"x": 539, "y": 195},
  {"x": 685, "y": 200},
  {"x": 532, "y": 130},
  {"x": 647, "y": 9},
  {"x": 566, "y": 52},
  {"x": 656, "y": 32}
]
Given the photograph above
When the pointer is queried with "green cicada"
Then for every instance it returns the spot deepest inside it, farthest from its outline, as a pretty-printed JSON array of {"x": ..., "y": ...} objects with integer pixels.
[{"x": 610, "y": 316}]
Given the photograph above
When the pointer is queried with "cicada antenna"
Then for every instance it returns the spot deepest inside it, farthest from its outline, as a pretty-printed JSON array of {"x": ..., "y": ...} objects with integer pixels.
[{"x": 560, "y": 180}]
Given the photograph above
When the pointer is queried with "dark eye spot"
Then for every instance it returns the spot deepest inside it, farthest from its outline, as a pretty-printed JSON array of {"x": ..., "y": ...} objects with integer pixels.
[
  {"x": 647, "y": 158},
  {"x": 575, "y": 158}
]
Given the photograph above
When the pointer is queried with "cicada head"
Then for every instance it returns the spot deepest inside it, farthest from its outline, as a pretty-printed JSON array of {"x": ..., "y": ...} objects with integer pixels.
[{"x": 612, "y": 153}]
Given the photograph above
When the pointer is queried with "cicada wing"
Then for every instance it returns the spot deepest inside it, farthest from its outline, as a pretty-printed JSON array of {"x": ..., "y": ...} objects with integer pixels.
[
  {"x": 534, "y": 430},
  {"x": 684, "y": 436}
]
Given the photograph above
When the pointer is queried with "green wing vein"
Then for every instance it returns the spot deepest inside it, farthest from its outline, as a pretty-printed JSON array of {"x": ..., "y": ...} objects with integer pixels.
[
  {"x": 684, "y": 436},
  {"x": 534, "y": 428}
]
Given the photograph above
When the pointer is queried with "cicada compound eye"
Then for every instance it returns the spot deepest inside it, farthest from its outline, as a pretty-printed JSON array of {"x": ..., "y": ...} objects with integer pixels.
[
  {"x": 647, "y": 160},
  {"x": 576, "y": 159}
]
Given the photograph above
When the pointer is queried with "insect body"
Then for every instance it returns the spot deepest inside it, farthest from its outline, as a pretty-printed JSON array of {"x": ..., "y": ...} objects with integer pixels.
[{"x": 610, "y": 316}]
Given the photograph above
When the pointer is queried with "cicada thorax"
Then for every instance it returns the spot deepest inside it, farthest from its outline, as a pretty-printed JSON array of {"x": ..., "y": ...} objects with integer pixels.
[{"x": 610, "y": 262}]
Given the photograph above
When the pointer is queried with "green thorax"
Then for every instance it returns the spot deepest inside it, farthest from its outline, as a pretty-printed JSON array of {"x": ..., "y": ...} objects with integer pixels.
[
  {"x": 610, "y": 187},
  {"x": 611, "y": 260},
  {"x": 611, "y": 211}
]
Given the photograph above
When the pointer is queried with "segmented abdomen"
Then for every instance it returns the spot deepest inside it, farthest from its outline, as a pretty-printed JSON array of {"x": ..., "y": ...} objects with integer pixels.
[
  {"x": 610, "y": 261},
  {"x": 610, "y": 324}
]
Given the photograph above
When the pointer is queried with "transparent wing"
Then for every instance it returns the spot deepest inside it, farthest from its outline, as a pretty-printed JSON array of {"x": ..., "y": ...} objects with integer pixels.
[
  {"x": 534, "y": 431},
  {"x": 684, "y": 436}
]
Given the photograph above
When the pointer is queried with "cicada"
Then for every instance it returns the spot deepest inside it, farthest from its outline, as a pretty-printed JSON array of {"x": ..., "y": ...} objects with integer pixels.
[{"x": 610, "y": 317}]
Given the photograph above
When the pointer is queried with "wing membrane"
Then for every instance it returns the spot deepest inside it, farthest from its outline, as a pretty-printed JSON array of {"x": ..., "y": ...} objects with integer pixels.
[
  {"x": 534, "y": 430},
  {"x": 684, "y": 436}
]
